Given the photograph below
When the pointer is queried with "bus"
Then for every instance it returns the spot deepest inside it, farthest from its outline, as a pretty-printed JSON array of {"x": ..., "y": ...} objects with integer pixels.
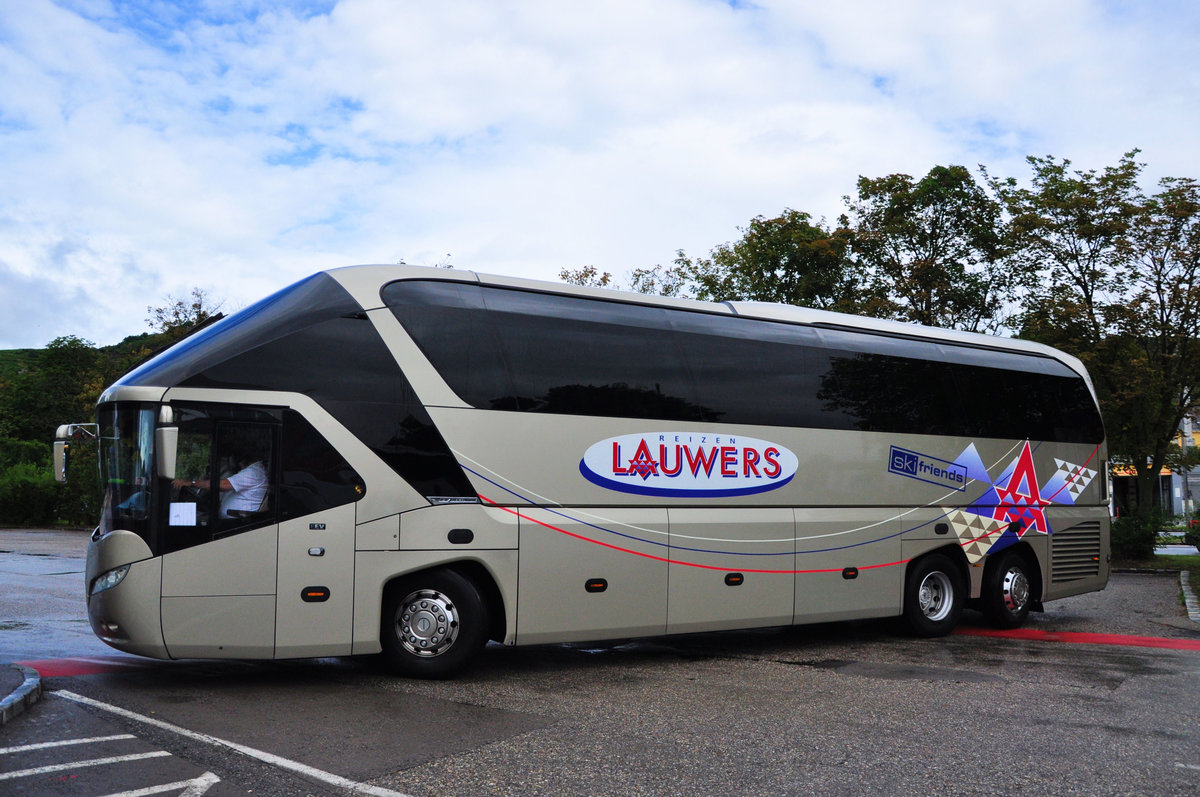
[{"x": 415, "y": 462}]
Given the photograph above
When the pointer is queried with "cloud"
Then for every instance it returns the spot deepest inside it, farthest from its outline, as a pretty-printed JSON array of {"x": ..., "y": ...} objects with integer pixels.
[{"x": 237, "y": 146}]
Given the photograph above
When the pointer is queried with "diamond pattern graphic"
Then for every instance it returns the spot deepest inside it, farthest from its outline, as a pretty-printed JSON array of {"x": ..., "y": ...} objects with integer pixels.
[
  {"x": 1076, "y": 477},
  {"x": 643, "y": 464},
  {"x": 976, "y": 533}
]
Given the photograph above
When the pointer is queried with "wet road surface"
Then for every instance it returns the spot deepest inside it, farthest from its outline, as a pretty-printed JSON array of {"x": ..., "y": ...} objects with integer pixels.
[{"x": 846, "y": 708}]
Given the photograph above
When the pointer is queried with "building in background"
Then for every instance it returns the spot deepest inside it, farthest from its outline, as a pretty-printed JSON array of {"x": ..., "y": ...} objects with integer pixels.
[{"x": 1178, "y": 492}]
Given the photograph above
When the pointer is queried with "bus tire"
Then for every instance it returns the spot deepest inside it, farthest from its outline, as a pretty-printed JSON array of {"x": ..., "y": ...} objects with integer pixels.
[
  {"x": 432, "y": 625},
  {"x": 933, "y": 596},
  {"x": 1007, "y": 590}
]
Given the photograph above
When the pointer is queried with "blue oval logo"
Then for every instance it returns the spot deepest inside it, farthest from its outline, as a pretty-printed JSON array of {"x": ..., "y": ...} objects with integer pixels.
[{"x": 688, "y": 464}]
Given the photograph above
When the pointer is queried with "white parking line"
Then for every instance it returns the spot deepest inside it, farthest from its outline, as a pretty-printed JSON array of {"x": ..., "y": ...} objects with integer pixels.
[
  {"x": 95, "y": 762},
  {"x": 191, "y": 788},
  {"x": 63, "y": 743},
  {"x": 1187, "y": 766},
  {"x": 269, "y": 758}
]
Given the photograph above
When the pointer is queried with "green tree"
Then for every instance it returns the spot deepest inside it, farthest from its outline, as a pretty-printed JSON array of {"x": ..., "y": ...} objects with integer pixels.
[
  {"x": 663, "y": 280},
  {"x": 185, "y": 313},
  {"x": 1118, "y": 288},
  {"x": 786, "y": 259},
  {"x": 587, "y": 276},
  {"x": 51, "y": 392},
  {"x": 931, "y": 248}
]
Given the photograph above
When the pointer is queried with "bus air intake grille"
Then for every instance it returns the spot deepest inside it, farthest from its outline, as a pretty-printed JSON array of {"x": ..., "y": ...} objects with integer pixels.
[{"x": 1075, "y": 553}]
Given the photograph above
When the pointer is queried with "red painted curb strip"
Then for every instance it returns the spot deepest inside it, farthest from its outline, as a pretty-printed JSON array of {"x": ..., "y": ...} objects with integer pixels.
[
  {"x": 1081, "y": 638},
  {"x": 66, "y": 668}
]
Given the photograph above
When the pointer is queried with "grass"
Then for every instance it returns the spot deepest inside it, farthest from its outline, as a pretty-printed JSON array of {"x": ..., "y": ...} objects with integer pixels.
[{"x": 1190, "y": 562}]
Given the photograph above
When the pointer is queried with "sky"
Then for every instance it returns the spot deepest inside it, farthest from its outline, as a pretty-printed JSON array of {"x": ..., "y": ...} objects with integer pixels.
[{"x": 237, "y": 146}]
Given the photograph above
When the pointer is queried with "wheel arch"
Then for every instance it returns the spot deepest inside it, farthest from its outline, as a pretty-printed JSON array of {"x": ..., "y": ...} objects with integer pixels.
[
  {"x": 956, "y": 555},
  {"x": 479, "y": 575}
]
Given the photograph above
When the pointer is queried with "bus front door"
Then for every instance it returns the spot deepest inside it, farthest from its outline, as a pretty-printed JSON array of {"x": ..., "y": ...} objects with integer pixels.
[{"x": 220, "y": 540}]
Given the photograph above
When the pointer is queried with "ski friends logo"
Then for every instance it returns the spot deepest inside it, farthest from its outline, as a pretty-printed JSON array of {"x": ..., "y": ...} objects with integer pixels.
[
  {"x": 927, "y": 468},
  {"x": 688, "y": 464}
]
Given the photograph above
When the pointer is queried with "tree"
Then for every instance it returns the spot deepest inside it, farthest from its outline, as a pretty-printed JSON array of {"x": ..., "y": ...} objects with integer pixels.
[
  {"x": 1118, "y": 288},
  {"x": 183, "y": 314},
  {"x": 933, "y": 248},
  {"x": 662, "y": 280},
  {"x": 1068, "y": 233},
  {"x": 587, "y": 276},
  {"x": 786, "y": 259},
  {"x": 52, "y": 392}
]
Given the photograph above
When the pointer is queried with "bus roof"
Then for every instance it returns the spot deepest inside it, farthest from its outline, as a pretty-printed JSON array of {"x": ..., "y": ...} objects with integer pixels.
[{"x": 364, "y": 282}]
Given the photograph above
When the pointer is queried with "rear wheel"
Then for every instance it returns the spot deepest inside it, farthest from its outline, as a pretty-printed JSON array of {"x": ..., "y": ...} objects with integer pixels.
[
  {"x": 433, "y": 624},
  {"x": 1007, "y": 591},
  {"x": 933, "y": 596}
]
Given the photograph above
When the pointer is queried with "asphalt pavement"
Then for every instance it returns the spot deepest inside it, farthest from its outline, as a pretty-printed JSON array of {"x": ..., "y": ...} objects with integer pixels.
[{"x": 21, "y": 685}]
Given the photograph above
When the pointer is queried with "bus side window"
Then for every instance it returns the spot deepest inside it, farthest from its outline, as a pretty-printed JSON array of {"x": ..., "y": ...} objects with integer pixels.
[
  {"x": 189, "y": 505},
  {"x": 313, "y": 475},
  {"x": 223, "y": 479},
  {"x": 245, "y": 455}
]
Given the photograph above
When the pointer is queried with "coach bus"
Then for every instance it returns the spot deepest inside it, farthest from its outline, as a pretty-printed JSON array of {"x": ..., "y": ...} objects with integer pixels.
[{"x": 417, "y": 461}]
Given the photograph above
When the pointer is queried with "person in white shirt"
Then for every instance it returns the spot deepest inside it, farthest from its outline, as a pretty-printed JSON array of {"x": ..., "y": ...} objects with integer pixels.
[
  {"x": 245, "y": 490},
  {"x": 242, "y": 491}
]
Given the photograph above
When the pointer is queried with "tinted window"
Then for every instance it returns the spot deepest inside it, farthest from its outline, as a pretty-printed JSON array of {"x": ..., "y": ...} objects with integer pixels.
[
  {"x": 225, "y": 475},
  {"x": 755, "y": 372},
  {"x": 127, "y": 467},
  {"x": 519, "y": 350},
  {"x": 516, "y": 350},
  {"x": 288, "y": 470},
  {"x": 314, "y": 338},
  {"x": 313, "y": 476}
]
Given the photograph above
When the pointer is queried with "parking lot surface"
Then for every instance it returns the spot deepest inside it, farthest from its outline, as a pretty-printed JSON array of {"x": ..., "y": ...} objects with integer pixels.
[{"x": 850, "y": 708}]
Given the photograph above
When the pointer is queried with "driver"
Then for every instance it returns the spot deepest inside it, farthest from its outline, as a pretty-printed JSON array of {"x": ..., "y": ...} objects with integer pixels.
[{"x": 242, "y": 491}]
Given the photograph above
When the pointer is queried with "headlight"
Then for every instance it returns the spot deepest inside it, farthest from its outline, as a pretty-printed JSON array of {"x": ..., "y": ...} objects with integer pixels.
[{"x": 110, "y": 579}]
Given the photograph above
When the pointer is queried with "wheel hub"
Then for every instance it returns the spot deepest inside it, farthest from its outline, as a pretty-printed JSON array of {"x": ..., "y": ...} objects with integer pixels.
[
  {"x": 935, "y": 595},
  {"x": 427, "y": 623},
  {"x": 1016, "y": 589}
]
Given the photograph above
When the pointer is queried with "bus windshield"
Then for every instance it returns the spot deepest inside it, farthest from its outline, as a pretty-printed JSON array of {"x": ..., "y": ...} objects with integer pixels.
[{"x": 126, "y": 467}]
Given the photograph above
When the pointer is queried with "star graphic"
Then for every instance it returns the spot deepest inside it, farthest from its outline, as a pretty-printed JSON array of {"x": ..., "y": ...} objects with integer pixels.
[{"x": 1021, "y": 501}]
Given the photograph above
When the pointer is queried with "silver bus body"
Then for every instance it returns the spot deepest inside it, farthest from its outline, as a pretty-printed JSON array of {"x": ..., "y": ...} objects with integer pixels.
[{"x": 455, "y": 457}]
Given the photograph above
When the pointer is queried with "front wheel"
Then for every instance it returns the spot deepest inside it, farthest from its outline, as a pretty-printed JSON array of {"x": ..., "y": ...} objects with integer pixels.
[
  {"x": 933, "y": 596},
  {"x": 1007, "y": 591},
  {"x": 433, "y": 624}
]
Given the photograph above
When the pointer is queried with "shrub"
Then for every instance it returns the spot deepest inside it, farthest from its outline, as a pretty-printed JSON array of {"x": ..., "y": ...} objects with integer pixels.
[
  {"x": 23, "y": 452},
  {"x": 1133, "y": 537},
  {"x": 28, "y": 495},
  {"x": 79, "y": 499},
  {"x": 1192, "y": 535}
]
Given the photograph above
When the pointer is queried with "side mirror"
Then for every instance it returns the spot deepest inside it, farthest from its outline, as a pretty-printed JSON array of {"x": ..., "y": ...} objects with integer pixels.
[
  {"x": 166, "y": 444},
  {"x": 60, "y": 461}
]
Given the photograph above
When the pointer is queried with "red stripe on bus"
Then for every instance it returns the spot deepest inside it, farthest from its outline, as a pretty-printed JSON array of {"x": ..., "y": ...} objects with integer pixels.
[
  {"x": 1084, "y": 638},
  {"x": 1073, "y": 476},
  {"x": 492, "y": 503}
]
